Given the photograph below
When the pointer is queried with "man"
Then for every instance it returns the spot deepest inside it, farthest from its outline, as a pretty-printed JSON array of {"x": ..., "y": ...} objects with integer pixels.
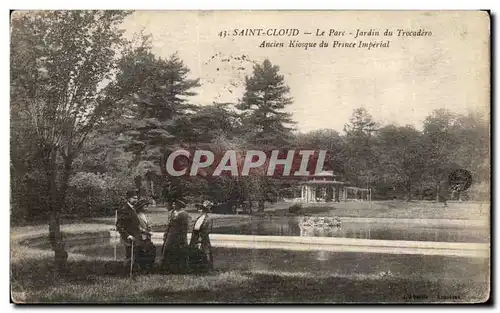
[
  {"x": 131, "y": 227},
  {"x": 175, "y": 245},
  {"x": 127, "y": 222}
]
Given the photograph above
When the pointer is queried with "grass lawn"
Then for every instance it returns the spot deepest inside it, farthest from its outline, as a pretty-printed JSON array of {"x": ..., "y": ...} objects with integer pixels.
[
  {"x": 34, "y": 281},
  {"x": 392, "y": 209}
]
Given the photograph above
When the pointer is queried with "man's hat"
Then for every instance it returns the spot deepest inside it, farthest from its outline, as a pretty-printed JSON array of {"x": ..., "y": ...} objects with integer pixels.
[{"x": 131, "y": 193}]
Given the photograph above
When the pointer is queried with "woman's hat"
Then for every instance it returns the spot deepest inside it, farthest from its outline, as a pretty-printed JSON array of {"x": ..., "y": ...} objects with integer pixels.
[
  {"x": 207, "y": 204},
  {"x": 181, "y": 202},
  {"x": 141, "y": 204}
]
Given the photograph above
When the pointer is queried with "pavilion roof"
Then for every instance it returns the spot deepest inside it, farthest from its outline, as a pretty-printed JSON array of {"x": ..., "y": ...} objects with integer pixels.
[{"x": 323, "y": 182}]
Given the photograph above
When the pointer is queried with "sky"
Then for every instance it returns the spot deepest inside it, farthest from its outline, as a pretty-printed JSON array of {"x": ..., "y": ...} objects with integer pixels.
[{"x": 400, "y": 84}]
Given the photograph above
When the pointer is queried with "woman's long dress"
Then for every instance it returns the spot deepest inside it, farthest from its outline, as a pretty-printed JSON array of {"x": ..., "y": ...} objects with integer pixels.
[
  {"x": 146, "y": 250},
  {"x": 201, "y": 257},
  {"x": 175, "y": 246}
]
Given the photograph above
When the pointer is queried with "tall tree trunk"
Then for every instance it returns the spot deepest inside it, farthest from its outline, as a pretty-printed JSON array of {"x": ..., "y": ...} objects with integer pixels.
[
  {"x": 408, "y": 191},
  {"x": 420, "y": 191},
  {"x": 261, "y": 205},
  {"x": 139, "y": 186},
  {"x": 54, "y": 206},
  {"x": 68, "y": 163},
  {"x": 163, "y": 178},
  {"x": 438, "y": 191},
  {"x": 56, "y": 239},
  {"x": 165, "y": 181}
]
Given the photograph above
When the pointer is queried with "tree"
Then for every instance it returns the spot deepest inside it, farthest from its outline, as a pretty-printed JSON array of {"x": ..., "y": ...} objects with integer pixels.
[
  {"x": 329, "y": 140},
  {"x": 360, "y": 158},
  {"x": 440, "y": 140},
  {"x": 102, "y": 158},
  {"x": 27, "y": 178},
  {"x": 59, "y": 61},
  {"x": 400, "y": 153},
  {"x": 211, "y": 122},
  {"x": 263, "y": 102},
  {"x": 473, "y": 150},
  {"x": 360, "y": 124},
  {"x": 154, "y": 93},
  {"x": 266, "y": 125}
]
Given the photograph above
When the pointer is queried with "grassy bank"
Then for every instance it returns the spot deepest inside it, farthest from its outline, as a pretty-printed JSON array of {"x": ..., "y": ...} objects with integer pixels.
[{"x": 391, "y": 209}]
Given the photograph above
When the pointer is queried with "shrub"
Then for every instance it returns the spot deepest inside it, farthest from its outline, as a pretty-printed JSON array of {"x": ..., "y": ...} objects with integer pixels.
[
  {"x": 95, "y": 194},
  {"x": 295, "y": 209},
  {"x": 478, "y": 191}
]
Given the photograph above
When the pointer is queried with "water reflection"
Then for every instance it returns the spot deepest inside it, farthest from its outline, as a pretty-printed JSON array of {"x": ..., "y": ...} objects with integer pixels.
[
  {"x": 322, "y": 255},
  {"x": 323, "y": 262},
  {"x": 318, "y": 262},
  {"x": 293, "y": 226}
]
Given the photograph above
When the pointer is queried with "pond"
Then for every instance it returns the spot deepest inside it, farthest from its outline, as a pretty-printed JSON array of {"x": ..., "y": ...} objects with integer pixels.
[
  {"x": 292, "y": 226},
  {"x": 320, "y": 262},
  {"x": 324, "y": 262}
]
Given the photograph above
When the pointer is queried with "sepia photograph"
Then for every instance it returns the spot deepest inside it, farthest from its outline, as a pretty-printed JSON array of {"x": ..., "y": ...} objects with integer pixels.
[{"x": 250, "y": 156}]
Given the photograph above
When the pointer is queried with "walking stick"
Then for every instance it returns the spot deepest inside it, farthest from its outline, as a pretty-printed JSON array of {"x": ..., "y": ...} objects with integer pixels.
[
  {"x": 132, "y": 259},
  {"x": 116, "y": 220}
]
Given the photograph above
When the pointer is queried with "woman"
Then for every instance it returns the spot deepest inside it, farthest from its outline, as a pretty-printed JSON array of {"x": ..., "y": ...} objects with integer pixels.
[
  {"x": 146, "y": 250},
  {"x": 175, "y": 245},
  {"x": 201, "y": 257}
]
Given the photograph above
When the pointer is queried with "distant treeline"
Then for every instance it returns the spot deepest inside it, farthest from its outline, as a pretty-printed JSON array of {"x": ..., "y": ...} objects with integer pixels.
[{"x": 94, "y": 115}]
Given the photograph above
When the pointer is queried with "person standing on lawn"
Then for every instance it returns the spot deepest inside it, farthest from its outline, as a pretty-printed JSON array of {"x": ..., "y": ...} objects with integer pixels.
[
  {"x": 146, "y": 250},
  {"x": 134, "y": 230},
  {"x": 201, "y": 257},
  {"x": 175, "y": 243},
  {"x": 127, "y": 223}
]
